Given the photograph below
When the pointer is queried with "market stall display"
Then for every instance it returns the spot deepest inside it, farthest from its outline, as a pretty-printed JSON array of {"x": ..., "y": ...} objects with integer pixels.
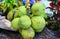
[{"x": 28, "y": 19}]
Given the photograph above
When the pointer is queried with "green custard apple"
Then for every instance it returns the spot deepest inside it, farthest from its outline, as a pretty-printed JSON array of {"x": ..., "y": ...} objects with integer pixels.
[
  {"x": 17, "y": 12},
  {"x": 38, "y": 9},
  {"x": 27, "y": 34},
  {"x": 15, "y": 23},
  {"x": 22, "y": 10},
  {"x": 25, "y": 22},
  {"x": 38, "y": 23},
  {"x": 13, "y": 14}
]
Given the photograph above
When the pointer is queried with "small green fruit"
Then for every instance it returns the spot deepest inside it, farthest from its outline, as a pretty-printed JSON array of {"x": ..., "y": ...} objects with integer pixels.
[
  {"x": 17, "y": 12},
  {"x": 22, "y": 10},
  {"x": 38, "y": 23},
  {"x": 25, "y": 22},
  {"x": 15, "y": 23},
  {"x": 27, "y": 34},
  {"x": 12, "y": 14},
  {"x": 38, "y": 9}
]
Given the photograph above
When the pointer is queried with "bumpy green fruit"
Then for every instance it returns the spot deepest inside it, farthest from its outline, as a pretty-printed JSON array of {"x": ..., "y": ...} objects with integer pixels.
[
  {"x": 38, "y": 9},
  {"x": 17, "y": 12},
  {"x": 15, "y": 23},
  {"x": 22, "y": 11},
  {"x": 38, "y": 23},
  {"x": 12, "y": 14},
  {"x": 27, "y": 34},
  {"x": 25, "y": 22}
]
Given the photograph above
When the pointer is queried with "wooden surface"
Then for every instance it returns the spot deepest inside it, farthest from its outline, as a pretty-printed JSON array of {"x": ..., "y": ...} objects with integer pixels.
[{"x": 45, "y": 34}]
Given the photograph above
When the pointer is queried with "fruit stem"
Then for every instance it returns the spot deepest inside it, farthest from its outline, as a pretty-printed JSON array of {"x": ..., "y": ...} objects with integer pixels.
[
  {"x": 27, "y": 3},
  {"x": 28, "y": 7}
]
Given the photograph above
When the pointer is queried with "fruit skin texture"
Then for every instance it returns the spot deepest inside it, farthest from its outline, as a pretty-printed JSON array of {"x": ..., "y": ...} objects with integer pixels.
[
  {"x": 28, "y": 33},
  {"x": 22, "y": 11},
  {"x": 38, "y": 23},
  {"x": 15, "y": 23},
  {"x": 9, "y": 16},
  {"x": 38, "y": 9},
  {"x": 12, "y": 14},
  {"x": 25, "y": 22},
  {"x": 17, "y": 12}
]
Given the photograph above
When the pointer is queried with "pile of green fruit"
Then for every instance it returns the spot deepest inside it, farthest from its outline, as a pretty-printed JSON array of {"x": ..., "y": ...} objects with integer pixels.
[{"x": 26, "y": 24}]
